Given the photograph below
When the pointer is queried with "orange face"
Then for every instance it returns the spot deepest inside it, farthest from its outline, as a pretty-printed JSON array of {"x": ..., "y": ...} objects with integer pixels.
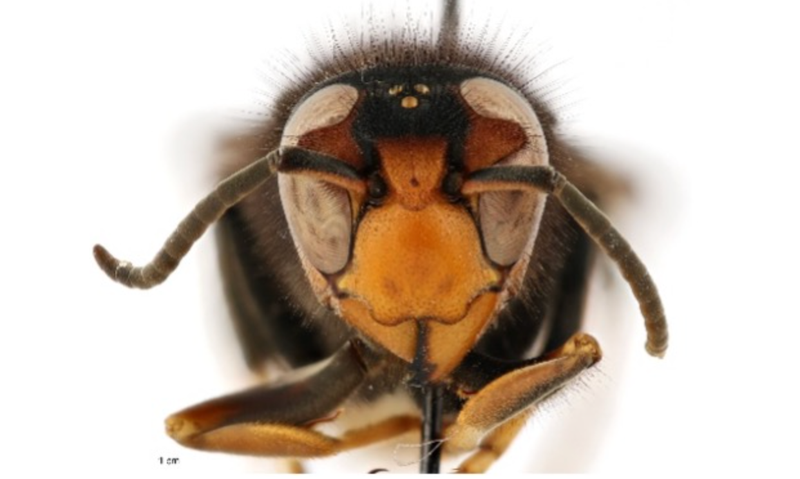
[{"x": 415, "y": 266}]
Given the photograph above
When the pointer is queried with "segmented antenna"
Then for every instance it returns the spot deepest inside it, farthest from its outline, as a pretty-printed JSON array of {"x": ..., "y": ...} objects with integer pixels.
[
  {"x": 210, "y": 209},
  {"x": 596, "y": 225}
]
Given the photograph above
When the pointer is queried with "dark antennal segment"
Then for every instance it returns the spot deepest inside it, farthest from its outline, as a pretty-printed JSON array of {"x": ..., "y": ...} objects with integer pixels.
[
  {"x": 596, "y": 225},
  {"x": 210, "y": 209}
]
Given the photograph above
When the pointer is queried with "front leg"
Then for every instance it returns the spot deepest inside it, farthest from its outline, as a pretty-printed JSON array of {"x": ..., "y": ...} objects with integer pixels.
[
  {"x": 276, "y": 420},
  {"x": 501, "y": 403}
]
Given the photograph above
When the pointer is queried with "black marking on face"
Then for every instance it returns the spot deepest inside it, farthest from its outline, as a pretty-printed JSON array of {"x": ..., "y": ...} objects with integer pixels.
[{"x": 384, "y": 110}]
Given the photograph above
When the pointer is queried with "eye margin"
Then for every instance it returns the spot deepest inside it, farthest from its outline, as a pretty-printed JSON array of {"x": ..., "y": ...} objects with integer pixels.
[
  {"x": 322, "y": 223},
  {"x": 508, "y": 213}
]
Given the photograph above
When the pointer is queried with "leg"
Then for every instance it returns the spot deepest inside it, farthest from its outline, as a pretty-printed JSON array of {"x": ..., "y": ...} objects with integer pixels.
[
  {"x": 494, "y": 445},
  {"x": 513, "y": 392},
  {"x": 568, "y": 299},
  {"x": 292, "y": 466},
  {"x": 279, "y": 440},
  {"x": 277, "y": 420}
]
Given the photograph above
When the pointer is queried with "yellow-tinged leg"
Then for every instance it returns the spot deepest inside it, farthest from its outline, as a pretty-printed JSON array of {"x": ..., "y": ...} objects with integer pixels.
[
  {"x": 292, "y": 466},
  {"x": 493, "y": 445},
  {"x": 512, "y": 393},
  {"x": 277, "y": 420},
  {"x": 281, "y": 440}
]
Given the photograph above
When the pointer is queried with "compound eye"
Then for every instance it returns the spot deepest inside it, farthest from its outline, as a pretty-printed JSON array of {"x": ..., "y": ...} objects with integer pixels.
[
  {"x": 318, "y": 212},
  {"x": 325, "y": 107},
  {"x": 320, "y": 220},
  {"x": 509, "y": 220}
]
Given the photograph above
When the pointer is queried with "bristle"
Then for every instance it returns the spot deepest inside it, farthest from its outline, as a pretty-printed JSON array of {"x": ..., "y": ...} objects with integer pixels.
[{"x": 410, "y": 35}]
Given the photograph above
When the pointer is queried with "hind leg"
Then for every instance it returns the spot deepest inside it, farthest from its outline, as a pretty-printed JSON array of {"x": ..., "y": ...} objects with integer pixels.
[{"x": 278, "y": 420}]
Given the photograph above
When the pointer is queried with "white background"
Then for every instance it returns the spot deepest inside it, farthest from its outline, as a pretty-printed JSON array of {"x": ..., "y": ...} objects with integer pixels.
[{"x": 106, "y": 111}]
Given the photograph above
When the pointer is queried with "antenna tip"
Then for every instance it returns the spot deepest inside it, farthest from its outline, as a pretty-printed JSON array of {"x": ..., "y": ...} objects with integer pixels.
[
  {"x": 657, "y": 350},
  {"x": 114, "y": 268}
]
